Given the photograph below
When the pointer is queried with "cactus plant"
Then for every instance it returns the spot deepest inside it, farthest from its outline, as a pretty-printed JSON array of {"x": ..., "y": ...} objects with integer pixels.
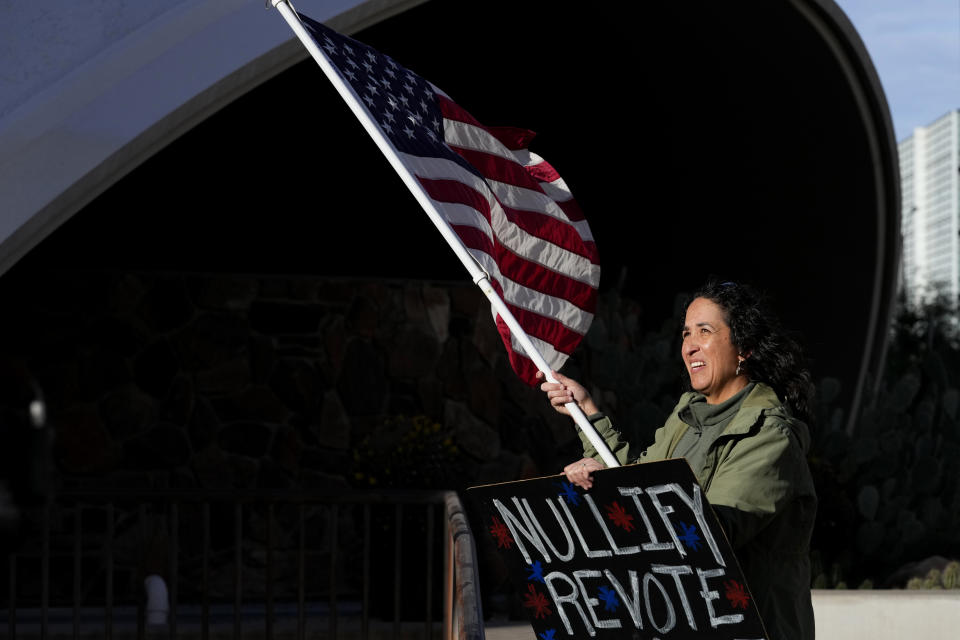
[
  {"x": 868, "y": 500},
  {"x": 828, "y": 390},
  {"x": 870, "y": 537},
  {"x": 950, "y": 401},
  {"x": 951, "y": 576},
  {"x": 932, "y": 581},
  {"x": 903, "y": 393}
]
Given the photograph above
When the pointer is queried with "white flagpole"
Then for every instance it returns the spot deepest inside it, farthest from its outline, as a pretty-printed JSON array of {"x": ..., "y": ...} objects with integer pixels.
[{"x": 479, "y": 276}]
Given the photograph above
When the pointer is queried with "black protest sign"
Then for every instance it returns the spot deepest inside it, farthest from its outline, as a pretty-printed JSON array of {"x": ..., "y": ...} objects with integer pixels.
[{"x": 640, "y": 555}]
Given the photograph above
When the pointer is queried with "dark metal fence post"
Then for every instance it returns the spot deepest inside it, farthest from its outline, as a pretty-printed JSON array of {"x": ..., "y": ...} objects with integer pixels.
[
  {"x": 141, "y": 594},
  {"x": 365, "y": 611},
  {"x": 174, "y": 567},
  {"x": 77, "y": 569},
  {"x": 428, "y": 614},
  {"x": 45, "y": 572},
  {"x": 12, "y": 607},
  {"x": 205, "y": 579},
  {"x": 238, "y": 575},
  {"x": 301, "y": 587},
  {"x": 108, "y": 562},
  {"x": 334, "y": 525},
  {"x": 397, "y": 566},
  {"x": 269, "y": 573}
]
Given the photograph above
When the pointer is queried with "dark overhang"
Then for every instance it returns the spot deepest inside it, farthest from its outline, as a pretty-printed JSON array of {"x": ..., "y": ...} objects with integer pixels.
[{"x": 750, "y": 140}]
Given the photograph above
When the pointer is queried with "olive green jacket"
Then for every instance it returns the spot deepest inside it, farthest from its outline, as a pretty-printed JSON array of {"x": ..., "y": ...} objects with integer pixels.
[{"x": 757, "y": 469}]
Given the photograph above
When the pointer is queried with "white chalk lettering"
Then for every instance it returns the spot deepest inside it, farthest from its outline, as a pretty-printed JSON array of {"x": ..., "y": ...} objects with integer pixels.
[
  {"x": 709, "y": 596},
  {"x": 593, "y": 602},
  {"x": 654, "y": 544},
  {"x": 525, "y": 529},
  {"x": 602, "y": 553},
  {"x": 676, "y": 571},
  {"x": 632, "y": 603},
  {"x": 571, "y": 549},
  {"x": 671, "y": 620},
  {"x": 570, "y": 598},
  {"x": 606, "y": 531},
  {"x": 665, "y": 511},
  {"x": 696, "y": 505}
]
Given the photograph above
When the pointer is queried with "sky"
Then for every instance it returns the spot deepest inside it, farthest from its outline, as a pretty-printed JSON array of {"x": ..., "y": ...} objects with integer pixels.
[{"x": 915, "y": 47}]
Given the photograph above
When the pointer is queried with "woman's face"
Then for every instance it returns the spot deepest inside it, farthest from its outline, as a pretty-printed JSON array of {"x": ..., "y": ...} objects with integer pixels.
[{"x": 708, "y": 352}]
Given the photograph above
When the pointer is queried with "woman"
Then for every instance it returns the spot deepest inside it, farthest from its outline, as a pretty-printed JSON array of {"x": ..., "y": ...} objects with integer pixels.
[{"x": 742, "y": 429}]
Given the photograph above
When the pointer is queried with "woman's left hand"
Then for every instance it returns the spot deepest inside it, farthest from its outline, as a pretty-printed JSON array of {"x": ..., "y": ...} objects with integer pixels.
[{"x": 580, "y": 472}]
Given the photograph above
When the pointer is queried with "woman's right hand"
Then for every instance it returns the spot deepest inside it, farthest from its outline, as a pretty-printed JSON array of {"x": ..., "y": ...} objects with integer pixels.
[
  {"x": 580, "y": 472},
  {"x": 567, "y": 390}
]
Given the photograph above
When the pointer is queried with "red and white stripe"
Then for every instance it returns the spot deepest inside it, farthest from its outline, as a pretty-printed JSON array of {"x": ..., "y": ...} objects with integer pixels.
[{"x": 525, "y": 229}]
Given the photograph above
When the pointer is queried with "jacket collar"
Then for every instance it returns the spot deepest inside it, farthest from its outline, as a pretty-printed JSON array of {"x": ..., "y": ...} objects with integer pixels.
[{"x": 762, "y": 402}]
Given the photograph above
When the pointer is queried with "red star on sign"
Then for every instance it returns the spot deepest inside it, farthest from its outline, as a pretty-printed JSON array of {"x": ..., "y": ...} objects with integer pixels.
[
  {"x": 501, "y": 533},
  {"x": 537, "y": 601},
  {"x": 736, "y": 594},
  {"x": 620, "y": 516}
]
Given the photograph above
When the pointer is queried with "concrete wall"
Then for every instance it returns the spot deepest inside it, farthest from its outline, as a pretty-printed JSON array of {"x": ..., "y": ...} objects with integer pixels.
[
  {"x": 887, "y": 615},
  {"x": 848, "y": 615}
]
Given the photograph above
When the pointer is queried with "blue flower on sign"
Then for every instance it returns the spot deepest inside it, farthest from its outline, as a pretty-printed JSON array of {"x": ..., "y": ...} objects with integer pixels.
[
  {"x": 536, "y": 572},
  {"x": 548, "y": 634},
  {"x": 688, "y": 536},
  {"x": 569, "y": 493},
  {"x": 609, "y": 598}
]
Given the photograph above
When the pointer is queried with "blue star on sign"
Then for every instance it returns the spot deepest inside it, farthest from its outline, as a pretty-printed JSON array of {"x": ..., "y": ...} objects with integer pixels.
[
  {"x": 535, "y": 572},
  {"x": 548, "y": 634},
  {"x": 689, "y": 536},
  {"x": 609, "y": 598},
  {"x": 569, "y": 493}
]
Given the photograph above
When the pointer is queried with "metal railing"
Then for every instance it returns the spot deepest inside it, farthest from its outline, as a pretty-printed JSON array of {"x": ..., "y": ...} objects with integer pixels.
[{"x": 272, "y": 564}]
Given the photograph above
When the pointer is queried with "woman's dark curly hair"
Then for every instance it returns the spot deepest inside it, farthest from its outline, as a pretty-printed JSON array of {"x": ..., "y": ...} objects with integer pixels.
[{"x": 775, "y": 357}]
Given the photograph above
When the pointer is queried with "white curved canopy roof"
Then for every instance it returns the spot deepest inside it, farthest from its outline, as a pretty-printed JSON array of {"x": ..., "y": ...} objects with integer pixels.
[{"x": 90, "y": 90}]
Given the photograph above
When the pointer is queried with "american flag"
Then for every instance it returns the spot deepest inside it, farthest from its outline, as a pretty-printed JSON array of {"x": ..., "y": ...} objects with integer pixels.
[{"x": 509, "y": 207}]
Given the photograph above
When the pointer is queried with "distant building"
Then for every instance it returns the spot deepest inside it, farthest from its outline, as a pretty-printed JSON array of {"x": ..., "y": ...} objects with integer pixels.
[{"x": 930, "y": 188}]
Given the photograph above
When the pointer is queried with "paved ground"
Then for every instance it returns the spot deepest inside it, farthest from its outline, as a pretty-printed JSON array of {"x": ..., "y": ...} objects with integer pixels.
[
  {"x": 502, "y": 630},
  {"x": 854, "y": 614}
]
